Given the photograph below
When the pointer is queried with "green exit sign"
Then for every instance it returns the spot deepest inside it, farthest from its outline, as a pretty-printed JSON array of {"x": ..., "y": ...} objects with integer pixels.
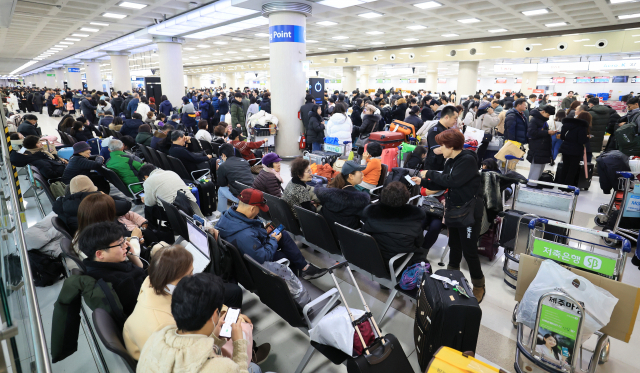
[{"x": 51, "y": 74}]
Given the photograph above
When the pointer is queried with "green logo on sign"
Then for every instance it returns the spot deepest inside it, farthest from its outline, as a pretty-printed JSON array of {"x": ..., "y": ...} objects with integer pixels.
[
  {"x": 557, "y": 321},
  {"x": 576, "y": 258}
]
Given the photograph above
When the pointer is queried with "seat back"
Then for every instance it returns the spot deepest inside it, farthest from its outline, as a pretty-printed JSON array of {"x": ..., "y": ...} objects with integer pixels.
[
  {"x": 206, "y": 147},
  {"x": 195, "y": 145},
  {"x": 281, "y": 212},
  {"x": 362, "y": 251},
  {"x": 164, "y": 160},
  {"x": 114, "y": 179},
  {"x": 146, "y": 154},
  {"x": 274, "y": 293},
  {"x": 111, "y": 336},
  {"x": 177, "y": 167},
  {"x": 316, "y": 230},
  {"x": 178, "y": 224},
  {"x": 64, "y": 138},
  {"x": 242, "y": 274},
  {"x": 383, "y": 174},
  {"x": 66, "y": 245},
  {"x": 61, "y": 227},
  {"x": 155, "y": 158},
  {"x": 45, "y": 186}
]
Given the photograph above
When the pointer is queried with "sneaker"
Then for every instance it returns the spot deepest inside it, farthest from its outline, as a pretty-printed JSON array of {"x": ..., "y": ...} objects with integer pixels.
[
  {"x": 312, "y": 272},
  {"x": 260, "y": 353}
]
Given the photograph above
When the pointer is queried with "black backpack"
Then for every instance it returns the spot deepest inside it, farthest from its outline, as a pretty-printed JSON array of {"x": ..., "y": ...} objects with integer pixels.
[{"x": 45, "y": 269}]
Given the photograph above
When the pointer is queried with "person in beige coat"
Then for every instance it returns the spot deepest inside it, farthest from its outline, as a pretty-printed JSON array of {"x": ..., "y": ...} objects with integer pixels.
[
  {"x": 193, "y": 345},
  {"x": 485, "y": 118}
]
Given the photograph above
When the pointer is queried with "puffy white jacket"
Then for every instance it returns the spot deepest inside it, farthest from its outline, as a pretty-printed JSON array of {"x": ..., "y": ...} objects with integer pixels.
[
  {"x": 339, "y": 125},
  {"x": 143, "y": 109},
  {"x": 486, "y": 122}
]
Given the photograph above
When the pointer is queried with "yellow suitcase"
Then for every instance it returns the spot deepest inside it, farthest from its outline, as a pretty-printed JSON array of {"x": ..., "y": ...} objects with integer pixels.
[{"x": 448, "y": 360}]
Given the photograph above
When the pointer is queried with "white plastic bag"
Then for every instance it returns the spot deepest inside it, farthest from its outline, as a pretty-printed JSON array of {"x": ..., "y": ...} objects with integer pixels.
[
  {"x": 474, "y": 134},
  {"x": 598, "y": 303},
  {"x": 297, "y": 290},
  {"x": 335, "y": 329}
]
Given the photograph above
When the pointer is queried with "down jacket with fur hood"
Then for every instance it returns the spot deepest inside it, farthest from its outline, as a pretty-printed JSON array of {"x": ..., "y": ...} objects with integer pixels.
[
  {"x": 395, "y": 229},
  {"x": 342, "y": 206},
  {"x": 339, "y": 125}
]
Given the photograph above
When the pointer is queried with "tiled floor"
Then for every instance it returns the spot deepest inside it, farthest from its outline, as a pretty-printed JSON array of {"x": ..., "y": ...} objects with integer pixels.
[{"x": 496, "y": 343}]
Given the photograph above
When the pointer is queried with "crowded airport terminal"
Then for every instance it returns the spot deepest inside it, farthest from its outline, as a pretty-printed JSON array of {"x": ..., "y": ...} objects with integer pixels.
[{"x": 329, "y": 186}]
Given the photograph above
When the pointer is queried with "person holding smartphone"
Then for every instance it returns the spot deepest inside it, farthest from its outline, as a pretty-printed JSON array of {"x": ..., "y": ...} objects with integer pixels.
[{"x": 194, "y": 340}]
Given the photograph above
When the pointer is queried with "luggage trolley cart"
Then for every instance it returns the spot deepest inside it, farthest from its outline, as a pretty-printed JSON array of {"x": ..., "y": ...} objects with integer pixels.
[
  {"x": 622, "y": 210},
  {"x": 548, "y": 203},
  {"x": 269, "y": 134}
]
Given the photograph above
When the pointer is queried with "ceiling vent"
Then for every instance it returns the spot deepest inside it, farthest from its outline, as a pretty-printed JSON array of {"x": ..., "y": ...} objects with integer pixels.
[
  {"x": 375, "y": 58},
  {"x": 452, "y": 53},
  {"x": 412, "y": 56},
  {"x": 472, "y": 51},
  {"x": 392, "y": 57}
]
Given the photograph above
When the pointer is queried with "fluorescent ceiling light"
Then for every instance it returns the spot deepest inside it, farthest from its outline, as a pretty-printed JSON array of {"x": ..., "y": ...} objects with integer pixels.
[
  {"x": 326, "y": 23},
  {"x": 71, "y": 39},
  {"x": 65, "y": 42},
  {"x": 114, "y": 15},
  {"x": 340, "y": 3},
  {"x": 247, "y": 50},
  {"x": 264, "y": 47},
  {"x": 323, "y": 49},
  {"x": 38, "y": 59},
  {"x": 498, "y": 30},
  {"x": 203, "y": 46},
  {"x": 376, "y": 43},
  {"x": 496, "y": 47},
  {"x": 548, "y": 49},
  {"x": 80, "y": 35},
  {"x": 348, "y": 46},
  {"x": 89, "y": 29},
  {"x": 536, "y": 44},
  {"x": 410, "y": 39},
  {"x": 308, "y": 42},
  {"x": 252, "y": 56},
  {"x": 55, "y": 49},
  {"x": 130, "y": 5},
  {"x": 535, "y": 12},
  {"x": 340, "y": 37},
  {"x": 237, "y": 39},
  {"x": 428, "y": 5},
  {"x": 262, "y": 35},
  {"x": 370, "y": 15},
  {"x": 620, "y": 1},
  {"x": 627, "y": 16},
  {"x": 469, "y": 20},
  {"x": 188, "y": 49},
  {"x": 220, "y": 42},
  {"x": 232, "y": 52},
  {"x": 371, "y": 33},
  {"x": 416, "y": 27},
  {"x": 579, "y": 40},
  {"x": 99, "y": 23},
  {"x": 449, "y": 35},
  {"x": 557, "y": 24}
]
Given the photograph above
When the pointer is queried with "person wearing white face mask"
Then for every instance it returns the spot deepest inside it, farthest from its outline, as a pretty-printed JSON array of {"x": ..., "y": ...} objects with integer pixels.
[
  {"x": 194, "y": 344},
  {"x": 169, "y": 265}
]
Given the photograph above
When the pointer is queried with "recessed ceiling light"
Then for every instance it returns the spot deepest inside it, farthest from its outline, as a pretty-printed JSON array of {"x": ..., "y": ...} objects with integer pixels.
[
  {"x": 342, "y": 3},
  {"x": 65, "y": 42},
  {"x": 557, "y": 24},
  {"x": 469, "y": 20},
  {"x": 370, "y": 15},
  {"x": 216, "y": 54},
  {"x": 264, "y": 47},
  {"x": 203, "y": 46},
  {"x": 498, "y": 30},
  {"x": 323, "y": 49},
  {"x": 428, "y": 5},
  {"x": 262, "y": 35},
  {"x": 130, "y": 5},
  {"x": 627, "y": 16},
  {"x": 536, "y": 44},
  {"x": 237, "y": 39},
  {"x": 220, "y": 42},
  {"x": 579, "y": 40},
  {"x": 376, "y": 43},
  {"x": 416, "y": 27},
  {"x": 99, "y": 23},
  {"x": 265, "y": 54},
  {"x": 61, "y": 46},
  {"x": 80, "y": 35},
  {"x": 620, "y": 1},
  {"x": 535, "y": 12},
  {"x": 188, "y": 49},
  {"x": 496, "y": 46},
  {"x": 449, "y": 35},
  {"x": 232, "y": 52},
  {"x": 247, "y": 50},
  {"x": 89, "y": 29},
  {"x": 55, "y": 49},
  {"x": 114, "y": 15},
  {"x": 326, "y": 23},
  {"x": 71, "y": 39},
  {"x": 548, "y": 49},
  {"x": 310, "y": 41},
  {"x": 348, "y": 46},
  {"x": 373, "y": 33},
  {"x": 252, "y": 56},
  {"x": 340, "y": 37}
]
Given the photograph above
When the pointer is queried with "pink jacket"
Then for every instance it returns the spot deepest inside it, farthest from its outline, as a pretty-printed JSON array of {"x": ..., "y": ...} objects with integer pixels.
[{"x": 132, "y": 220}]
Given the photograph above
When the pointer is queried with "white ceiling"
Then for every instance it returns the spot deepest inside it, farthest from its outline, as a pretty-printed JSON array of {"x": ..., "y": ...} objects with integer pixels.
[{"x": 38, "y": 25}]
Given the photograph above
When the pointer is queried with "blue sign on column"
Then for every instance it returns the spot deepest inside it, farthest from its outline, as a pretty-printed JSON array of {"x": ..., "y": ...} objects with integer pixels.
[
  {"x": 73, "y": 69},
  {"x": 287, "y": 33}
]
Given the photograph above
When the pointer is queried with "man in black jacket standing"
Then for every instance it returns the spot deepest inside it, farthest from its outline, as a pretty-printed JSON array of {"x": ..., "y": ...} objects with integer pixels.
[
  {"x": 116, "y": 104},
  {"x": 231, "y": 169},
  {"x": 435, "y": 159}
]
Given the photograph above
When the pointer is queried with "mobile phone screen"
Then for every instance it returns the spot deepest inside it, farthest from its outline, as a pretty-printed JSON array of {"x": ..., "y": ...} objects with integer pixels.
[
  {"x": 408, "y": 178},
  {"x": 279, "y": 229},
  {"x": 230, "y": 318}
]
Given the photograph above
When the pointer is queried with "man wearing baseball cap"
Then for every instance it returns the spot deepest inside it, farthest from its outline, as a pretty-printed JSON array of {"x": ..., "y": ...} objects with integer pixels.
[{"x": 240, "y": 226}]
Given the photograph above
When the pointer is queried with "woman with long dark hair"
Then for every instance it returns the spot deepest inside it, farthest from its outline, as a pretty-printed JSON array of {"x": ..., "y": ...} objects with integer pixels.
[
  {"x": 575, "y": 136},
  {"x": 549, "y": 348},
  {"x": 315, "y": 131},
  {"x": 415, "y": 159}
]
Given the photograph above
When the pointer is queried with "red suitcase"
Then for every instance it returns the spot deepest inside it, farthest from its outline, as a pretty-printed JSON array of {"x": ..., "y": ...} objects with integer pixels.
[{"x": 387, "y": 139}]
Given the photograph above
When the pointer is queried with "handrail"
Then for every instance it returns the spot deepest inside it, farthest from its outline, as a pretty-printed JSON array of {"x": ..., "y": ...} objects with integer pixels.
[{"x": 43, "y": 363}]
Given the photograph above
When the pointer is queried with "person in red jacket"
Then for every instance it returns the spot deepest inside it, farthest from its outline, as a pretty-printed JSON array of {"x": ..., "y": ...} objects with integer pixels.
[{"x": 244, "y": 147}]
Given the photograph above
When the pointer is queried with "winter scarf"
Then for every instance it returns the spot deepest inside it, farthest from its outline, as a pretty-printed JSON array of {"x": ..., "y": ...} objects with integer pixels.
[{"x": 273, "y": 171}]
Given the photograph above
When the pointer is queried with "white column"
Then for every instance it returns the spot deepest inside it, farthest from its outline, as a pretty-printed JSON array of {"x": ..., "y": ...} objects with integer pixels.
[
  {"x": 364, "y": 79},
  {"x": 171, "y": 70},
  {"x": 349, "y": 76},
  {"x": 58, "y": 80},
  {"x": 287, "y": 51},
  {"x": 191, "y": 79},
  {"x": 92, "y": 70},
  {"x": 467, "y": 78},
  {"x": 529, "y": 82},
  {"x": 74, "y": 79},
  {"x": 120, "y": 71},
  {"x": 432, "y": 77},
  {"x": 48, "y": 80}
]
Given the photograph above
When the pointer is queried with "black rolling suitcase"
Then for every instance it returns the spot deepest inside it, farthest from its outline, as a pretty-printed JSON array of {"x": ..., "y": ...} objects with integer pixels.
[
  {"x": 384, "y": 355},
  {"x": 444, "y": 317},
  {"x": 208, "y": 197},
  {"x": 510, "y": 221},
  {"x": 582, "y": 182}
]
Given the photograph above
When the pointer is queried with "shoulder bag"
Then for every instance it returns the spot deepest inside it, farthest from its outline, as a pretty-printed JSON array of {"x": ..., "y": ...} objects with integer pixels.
[{"x": 459, "y": 216}]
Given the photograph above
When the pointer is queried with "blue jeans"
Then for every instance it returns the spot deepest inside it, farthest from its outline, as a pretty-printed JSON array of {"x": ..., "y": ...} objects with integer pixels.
[
  {"x": 223, "y": 195},
  {"x": 254, "y": 368},
  {"x": 222, "y": 117},
  {"x": 316, "y": 146},
  {"x": 555, "y": 146}
]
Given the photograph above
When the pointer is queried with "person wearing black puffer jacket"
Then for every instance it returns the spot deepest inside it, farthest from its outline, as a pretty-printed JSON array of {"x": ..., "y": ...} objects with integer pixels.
[
  {"x": 399, "y": 110},
  {"x": 395, "y": 225},
  {"x": 414, "y": 118},
  {"x": 539, "y": 135},
  {"x": 575, "y": 135},
  {"x": 356, "y": 119},
  {"x": 82, "y": 163},
  {"x": 315, "y": 131},
  {"x": 462, "y": 180},
  {"x": 49, "y": 165}
]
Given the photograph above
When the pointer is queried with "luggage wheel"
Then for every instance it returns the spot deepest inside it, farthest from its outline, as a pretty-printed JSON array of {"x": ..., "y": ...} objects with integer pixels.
[
  {"x": 604, "y": 354},
  {"x": 610, "y": 242},
  {"x": 513, "y": 317},
  {"x": 600, "y": 219},
  {"x": 603, "y": 209}
]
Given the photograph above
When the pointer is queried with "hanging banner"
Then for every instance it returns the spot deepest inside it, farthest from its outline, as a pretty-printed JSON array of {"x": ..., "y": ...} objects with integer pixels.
[{"x": 287, "y": 34}]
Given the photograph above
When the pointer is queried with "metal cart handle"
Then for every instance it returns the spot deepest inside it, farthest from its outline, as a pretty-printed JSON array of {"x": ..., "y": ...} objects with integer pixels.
[
  {"x": 626, "y": 246},
  {"x": 576, "y": 191},
  {"x": 625, "y": 174}
]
